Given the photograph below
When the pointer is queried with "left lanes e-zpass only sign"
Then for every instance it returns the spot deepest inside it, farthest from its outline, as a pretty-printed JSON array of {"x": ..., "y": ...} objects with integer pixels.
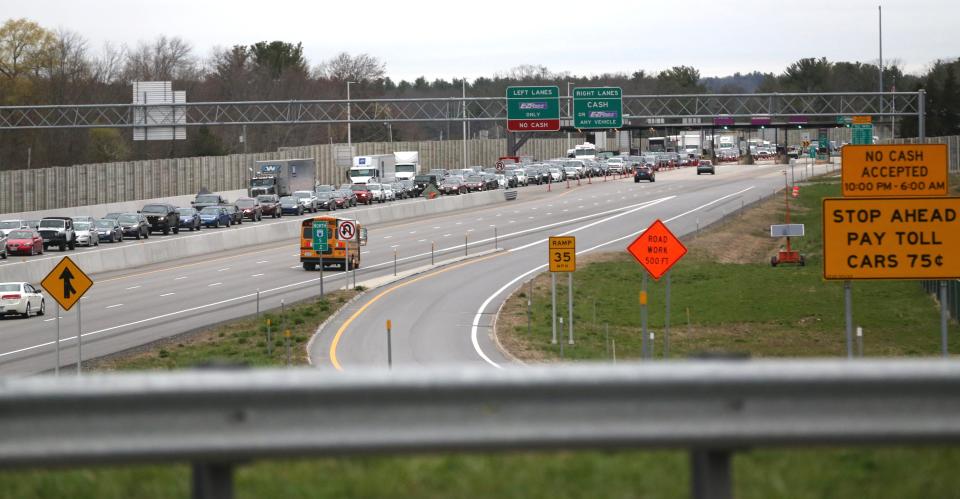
[
  {"x": 891, "y": 238},
  {"x": 66, "y": 283}
]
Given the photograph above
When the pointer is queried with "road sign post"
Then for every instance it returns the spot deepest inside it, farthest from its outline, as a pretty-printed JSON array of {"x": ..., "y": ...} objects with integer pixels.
[
  {"x": 657, "y": 250},
  {"x": 562, "y": 257},
  {"x": 66, "y": 284},
  {"x": 533, "y": 109},
  {"x": 321, "y": 244},
  {"x": 597, "y": 107}
]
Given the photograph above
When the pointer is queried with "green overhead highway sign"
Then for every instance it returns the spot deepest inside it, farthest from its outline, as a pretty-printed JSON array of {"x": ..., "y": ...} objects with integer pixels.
[
  {"x": 862, "y": 134},
  {"x": 533, "y": 109},
  {"x": 598, "y": 107}
]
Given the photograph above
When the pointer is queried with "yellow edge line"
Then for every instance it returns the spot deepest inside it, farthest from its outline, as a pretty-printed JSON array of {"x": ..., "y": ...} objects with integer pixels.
[{"x": 336, "y": 338}]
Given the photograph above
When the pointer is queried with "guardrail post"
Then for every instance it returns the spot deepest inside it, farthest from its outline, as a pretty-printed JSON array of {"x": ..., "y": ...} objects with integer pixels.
[
  {"x": 212, "y": 481},
  {"x": 710, "y": 474}
]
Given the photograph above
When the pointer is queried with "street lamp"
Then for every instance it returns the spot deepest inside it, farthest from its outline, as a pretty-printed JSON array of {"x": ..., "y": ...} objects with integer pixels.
[
  {"x": 569, "y": 114},
  {"x": 349, "y": 137}
]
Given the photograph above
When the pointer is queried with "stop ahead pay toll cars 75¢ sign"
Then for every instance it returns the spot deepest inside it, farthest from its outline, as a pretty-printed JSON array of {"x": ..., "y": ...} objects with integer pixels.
[
  {"x": 657, "y": 249},
  {"x": 891, "y": 238},
  {"x": 901, "y": 170}
]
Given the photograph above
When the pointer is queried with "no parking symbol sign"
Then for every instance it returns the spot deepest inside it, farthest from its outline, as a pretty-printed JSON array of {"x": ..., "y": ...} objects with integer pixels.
[{"x": 346, "y": 230}]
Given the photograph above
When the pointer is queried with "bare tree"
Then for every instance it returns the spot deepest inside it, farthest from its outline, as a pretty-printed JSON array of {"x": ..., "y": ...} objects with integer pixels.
[
  {"x": 164, "y": 59},
  {"x": 345, "y": 67},
  {"x": 108, "y": 66},
  {"x": 526, "y": 72}
]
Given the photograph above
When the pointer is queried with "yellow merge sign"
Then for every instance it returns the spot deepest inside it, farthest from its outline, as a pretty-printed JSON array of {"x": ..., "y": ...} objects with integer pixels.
[
  {"x": 66, "y": 283},
  {"x": 891, "y": 238},
  {"x": 563, "y": 254},
  {"x": 894, "y": 170}
]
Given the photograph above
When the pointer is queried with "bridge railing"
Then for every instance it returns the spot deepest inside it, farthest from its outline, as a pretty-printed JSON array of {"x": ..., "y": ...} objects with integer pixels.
[{"x": 217, "y": 418}]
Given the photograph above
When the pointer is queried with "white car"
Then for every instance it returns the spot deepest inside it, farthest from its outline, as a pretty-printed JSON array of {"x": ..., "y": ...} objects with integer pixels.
[
  {"x": 86, "y": 234},
  {"x": 388, "y": 192},
  {"x": 307, "y": 199},
  {"x": 21, "y": 298},
  {"x": 377, "y": 193},
  {"x": 556, "y": 174}
]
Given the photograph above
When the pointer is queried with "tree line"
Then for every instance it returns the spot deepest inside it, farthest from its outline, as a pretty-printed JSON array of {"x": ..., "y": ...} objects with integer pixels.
[{"x": 43, "y": 66}]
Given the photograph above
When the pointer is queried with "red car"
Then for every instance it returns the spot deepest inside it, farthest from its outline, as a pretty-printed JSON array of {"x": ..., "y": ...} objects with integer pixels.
[
  {"x": 363, "y": 195},
  {"x": 24, "y": 241}
]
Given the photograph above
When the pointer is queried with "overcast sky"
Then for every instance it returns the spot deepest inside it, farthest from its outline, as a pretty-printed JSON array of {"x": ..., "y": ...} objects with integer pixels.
[{"x": 451, "y": 39}]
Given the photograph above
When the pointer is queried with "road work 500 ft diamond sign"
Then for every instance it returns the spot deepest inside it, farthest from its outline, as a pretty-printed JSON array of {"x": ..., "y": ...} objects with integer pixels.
[{"x": 891, "y": 238}]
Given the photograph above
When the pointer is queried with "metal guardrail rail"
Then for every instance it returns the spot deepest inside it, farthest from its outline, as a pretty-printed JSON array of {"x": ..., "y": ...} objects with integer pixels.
[
  {"x": 703, "y": 107},
  {"x": 217, "y": 418}
]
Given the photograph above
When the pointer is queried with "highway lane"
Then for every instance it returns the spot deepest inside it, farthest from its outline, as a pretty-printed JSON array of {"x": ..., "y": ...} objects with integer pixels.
[
  {"x": 137, "y": 306},
  {"x": 444, "y": 317},
  {"x": 130, "y": 308}
]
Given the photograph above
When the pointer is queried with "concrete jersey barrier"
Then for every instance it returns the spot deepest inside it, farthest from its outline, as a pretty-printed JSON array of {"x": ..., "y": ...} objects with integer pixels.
[{"x": 132, "y": 254}]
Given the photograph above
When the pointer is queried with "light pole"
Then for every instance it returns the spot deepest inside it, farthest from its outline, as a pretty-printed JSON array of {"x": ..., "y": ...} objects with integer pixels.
[
  {"x": 569, "y": 114},
  {"x": 349, "y": 136},
  {"x": 389, "y": 130},
  {"x": 464, "y": 106}
]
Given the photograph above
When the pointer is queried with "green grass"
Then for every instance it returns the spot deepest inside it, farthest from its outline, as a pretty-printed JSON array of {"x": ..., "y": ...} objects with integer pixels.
[
  {"x": 753, "y": 308},
  {"x": 750, "y": 307}
]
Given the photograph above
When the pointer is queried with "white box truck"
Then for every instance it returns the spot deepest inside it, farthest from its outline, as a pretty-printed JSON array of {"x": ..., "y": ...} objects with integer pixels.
[
  {"x": 372, "y": 169},
  {"x": 407, "y": 164}
]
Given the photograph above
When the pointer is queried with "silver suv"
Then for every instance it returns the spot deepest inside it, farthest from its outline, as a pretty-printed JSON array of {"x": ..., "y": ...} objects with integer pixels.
[{"x": 58, "y": 231}]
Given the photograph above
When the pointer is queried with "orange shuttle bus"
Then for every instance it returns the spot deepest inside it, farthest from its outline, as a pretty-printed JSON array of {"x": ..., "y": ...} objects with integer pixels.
[{"x": 340, "y": 253}]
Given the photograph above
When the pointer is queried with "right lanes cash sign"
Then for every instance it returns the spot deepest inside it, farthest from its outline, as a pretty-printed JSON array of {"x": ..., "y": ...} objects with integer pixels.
[{"x": 891, "y": 238}]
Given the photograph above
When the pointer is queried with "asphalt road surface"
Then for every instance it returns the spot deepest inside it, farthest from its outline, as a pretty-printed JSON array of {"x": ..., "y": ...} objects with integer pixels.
[{"x": 439, "y": 317}]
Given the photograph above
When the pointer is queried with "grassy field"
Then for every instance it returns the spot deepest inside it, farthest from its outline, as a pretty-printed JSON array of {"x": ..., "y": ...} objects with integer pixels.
[
  {"x": 724, "y": 280},
  {"x": 725, "y": 296}
]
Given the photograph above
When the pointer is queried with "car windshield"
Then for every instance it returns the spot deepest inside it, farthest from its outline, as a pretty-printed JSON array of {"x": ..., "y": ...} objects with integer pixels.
[
  {"x": 374, "y": 187},
  {"x": 104, "y": 223},
  {"x": 208, "y": 199},
  {"x": 451, "y": 181},
  {"x": 474, "y": 178},
  {"x": 358, "y": 188},
  {"x": 82, "y": 225},
  {"x": 262, "y": 182},
  {"x": 268, "y": 198},
  {"x": 154, "y": 208},
  {"x": 302, "y": 194},
  {"x": 10, "y": 224},
  {"x": 124, "y": 219},
  {"x": 324, "y": 188},
  {"x": 210, "y": 210},
  {"x": 186, "y": 212},
  {"x": 52, "y": 223},
  {"x": 9, "y": 287},
  {"x": 20, "y": 234},
  {"x": 245, "y": 203},
  {"x": 287, "y": 199},
  {"x": 324, "y": 195}
]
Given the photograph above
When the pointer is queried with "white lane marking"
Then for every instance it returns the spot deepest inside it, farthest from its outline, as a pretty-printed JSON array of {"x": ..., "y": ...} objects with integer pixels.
[
  {"x": 214, "y": 284},
  {"x": 115, "y": 305},
  {"x": 476, "y": 318},
  {"x": 387, "y": 237},
  {"x": 132, "y": 287},
  {"x": 459, "y": 223},
  {"x": 264, "y": 261},
  {"x": 565, "y": 210},
  {"x": 436, "y": 227},
  {"x": 297, "y": 266},
  {"x": 295, "y": 254},
  {"x": 394, "y": 245},
  {"x": 549, "y": 213},
  {"x": 580, "y": 207},
  {"x": 364, "y": 252},
  {"x": 181, "y": 277},
  {"x": 52, "y": 319},
  {"x": 221, "y": 270},
  {"x": 446, "y": 235},
  {"x": 413, "y": 232},
  {"x": 418, "y": 240},
  {"x": 469, "y": 230},
  {"x": 513, "y": 221},
  {"x": 167, "y": 294},
  {"x": 256, "y": 275},
  {"x": 529, "y": 218}
]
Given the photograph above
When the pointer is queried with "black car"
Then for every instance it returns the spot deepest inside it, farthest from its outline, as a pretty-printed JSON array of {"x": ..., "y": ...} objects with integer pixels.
[
  {"x": 420, "y": 182},
  {"x": 236, "y": 214},
  {"x": 58, "y": 231},
  {"x": 162, "y": 218},
  {"x": 134, "y": 225},
  {"x": 644, "y": 172}
]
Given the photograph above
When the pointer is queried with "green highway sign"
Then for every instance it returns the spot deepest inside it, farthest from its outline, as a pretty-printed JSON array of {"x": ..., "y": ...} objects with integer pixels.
[
  {"x": 533, "y": 109},
  {"x": 862, "y": 134},
  {"x": 321, "y": 235},
  {"x": 598, "y": 107},
  {"x": 844, "y": 120},
  {"x": 823, "y": 139}
]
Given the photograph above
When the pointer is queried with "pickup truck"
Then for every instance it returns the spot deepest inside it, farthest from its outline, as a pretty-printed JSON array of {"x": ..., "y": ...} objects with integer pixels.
[
  {"x": 58, "y": 231},
  {"x": 162, "y": 218}
]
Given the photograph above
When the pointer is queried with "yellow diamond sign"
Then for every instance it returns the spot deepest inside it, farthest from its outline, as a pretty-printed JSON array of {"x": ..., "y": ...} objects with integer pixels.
[{"x": 66, "y": 283}]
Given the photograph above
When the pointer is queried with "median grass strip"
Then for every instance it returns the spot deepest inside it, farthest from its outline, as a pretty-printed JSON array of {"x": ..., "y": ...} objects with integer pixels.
[{"x": 762, "y": 474}]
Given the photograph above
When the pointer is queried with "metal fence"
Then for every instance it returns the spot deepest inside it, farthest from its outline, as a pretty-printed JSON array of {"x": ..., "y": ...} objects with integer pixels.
[
  {"x": 217, "y": 418},
  {"x": 953, "y": 295}
]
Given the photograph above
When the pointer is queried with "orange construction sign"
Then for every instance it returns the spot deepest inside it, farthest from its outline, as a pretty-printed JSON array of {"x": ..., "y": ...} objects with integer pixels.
[{"x": 657, "y": 249}]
